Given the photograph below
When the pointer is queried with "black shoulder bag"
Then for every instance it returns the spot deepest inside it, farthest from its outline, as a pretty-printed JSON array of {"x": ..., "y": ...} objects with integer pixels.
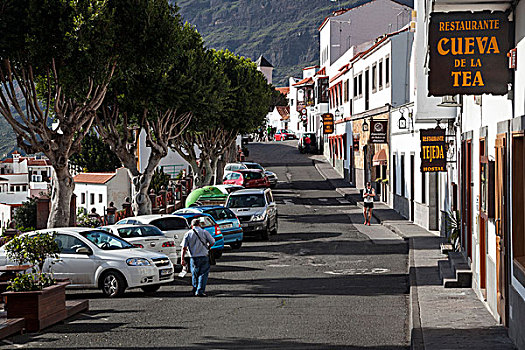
[{"x": 211, "y": 257}]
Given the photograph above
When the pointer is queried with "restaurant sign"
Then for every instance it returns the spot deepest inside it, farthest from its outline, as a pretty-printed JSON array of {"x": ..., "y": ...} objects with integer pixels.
[
  {"x": 378, "y": 131},
  {"x": 328, "y": 123},
  {"x": 433, "y": 150},
  {"x": 468, "y": 53}
]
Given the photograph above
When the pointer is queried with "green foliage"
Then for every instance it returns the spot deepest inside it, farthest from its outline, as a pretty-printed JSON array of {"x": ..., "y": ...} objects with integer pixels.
[
  {"x": 453, "y": 226},
  {"x": 75, "y": 34},
  {"x": 34, "y": 250},
  {"x": 158, "y": 180},
  {"x": 95, "y": 156},
  {"x": 84, "y": 220},
  {"x": 25, "y": 215},
  {"x": 249, "y": 95},
  {"x": 155, "y": 68},
  {"x": 26, "y": 282}
]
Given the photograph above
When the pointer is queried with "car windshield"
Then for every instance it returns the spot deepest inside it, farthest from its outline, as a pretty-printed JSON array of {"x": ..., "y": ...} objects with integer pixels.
[
  {"x": 139, "y": 231},
  {"x": 287, "y": 131},
  {"x": 246, "y": 201},
  {"x": 221, "y": 213},
  {"x": 105, "y": 240},
  {"x": 252, "y": 176},
  {"x": 171, "y": 224},
  {"x": 254, "y": 166}
]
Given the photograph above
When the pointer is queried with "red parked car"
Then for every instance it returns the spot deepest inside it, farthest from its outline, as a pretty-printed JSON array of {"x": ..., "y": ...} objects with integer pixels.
[
  {"x": 283, "y": 134},
  {"x": 249, "y": 178}
]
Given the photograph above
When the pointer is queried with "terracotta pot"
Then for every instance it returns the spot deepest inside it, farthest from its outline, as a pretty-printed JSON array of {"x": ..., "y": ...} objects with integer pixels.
[{"x": 40, "y": 309}]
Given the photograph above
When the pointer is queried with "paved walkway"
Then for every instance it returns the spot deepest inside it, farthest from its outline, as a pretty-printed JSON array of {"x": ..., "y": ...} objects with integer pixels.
[{"x": 452, "y": 318}]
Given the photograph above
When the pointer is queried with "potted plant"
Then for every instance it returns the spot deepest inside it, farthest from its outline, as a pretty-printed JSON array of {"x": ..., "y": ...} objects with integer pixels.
[
  {"x": 35, "y": 296},
  {"x": 453, "y": 227}
]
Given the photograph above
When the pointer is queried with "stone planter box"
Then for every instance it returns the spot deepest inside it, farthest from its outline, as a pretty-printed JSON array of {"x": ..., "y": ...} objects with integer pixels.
[{"x": 40, "y": 309}]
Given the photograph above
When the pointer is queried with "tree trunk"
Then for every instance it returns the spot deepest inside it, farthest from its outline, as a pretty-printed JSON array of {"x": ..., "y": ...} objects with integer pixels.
[
  {"x": 215, "y": 170},
  {"x": 63, "y": 187},
  {"x": 140, "y": 202}
]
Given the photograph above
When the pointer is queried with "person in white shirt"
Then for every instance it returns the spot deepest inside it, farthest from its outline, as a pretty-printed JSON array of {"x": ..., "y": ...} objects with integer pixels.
[
  {"x": 197, "y": 242},
  {"x": 368, "y": 197}
]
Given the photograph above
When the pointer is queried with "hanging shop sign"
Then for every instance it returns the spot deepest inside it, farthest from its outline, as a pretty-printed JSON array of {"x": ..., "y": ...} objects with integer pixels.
[
  {"x": 433, "y": 150},
  {"x": 328, "y": 123},
  {"x": 468, "y": 53},
  {"x": 378, "y": 131}
]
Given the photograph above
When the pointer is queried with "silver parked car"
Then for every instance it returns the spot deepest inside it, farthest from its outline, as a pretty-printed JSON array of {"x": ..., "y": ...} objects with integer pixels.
[
  {"x": 256, "y": 210},
  {"x": 148, "y": 237}
]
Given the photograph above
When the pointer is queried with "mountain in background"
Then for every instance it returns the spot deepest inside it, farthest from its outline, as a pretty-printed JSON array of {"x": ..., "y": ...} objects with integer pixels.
[{"x": 284, "y": 31}]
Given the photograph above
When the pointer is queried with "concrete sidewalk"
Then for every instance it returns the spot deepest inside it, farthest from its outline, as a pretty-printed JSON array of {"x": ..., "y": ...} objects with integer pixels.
[{"x": 452, "y": 318}]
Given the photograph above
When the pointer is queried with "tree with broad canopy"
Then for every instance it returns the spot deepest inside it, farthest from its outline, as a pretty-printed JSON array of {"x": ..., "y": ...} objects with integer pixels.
[
  {"x": 245, "y": 101},
  {"x": 56, "y": 61}
]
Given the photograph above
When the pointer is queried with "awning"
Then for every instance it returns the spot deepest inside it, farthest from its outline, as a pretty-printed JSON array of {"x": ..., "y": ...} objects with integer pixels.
[
  {"x": 304, "y": 82},
  {"x": 380, "y": 158}
]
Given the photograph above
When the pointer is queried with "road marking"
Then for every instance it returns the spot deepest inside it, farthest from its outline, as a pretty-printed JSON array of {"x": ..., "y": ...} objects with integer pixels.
[
  {"x": 288, "y": 201},
  {"x": 342, "y": 201},
  {"x": 362, "y": 271},
  {"x": 307, "y": 206},
  {"x": 276, "y": 265},
  {"x": 323, "y": 200}
]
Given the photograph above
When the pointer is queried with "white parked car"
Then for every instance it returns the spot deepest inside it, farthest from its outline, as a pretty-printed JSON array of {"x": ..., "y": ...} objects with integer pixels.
[
  {"x": 231, "y": 167},
  {"x": 148, "y": 237},
  {"x": 93, "y": 258},
  {"x": 174, "y": 227}
]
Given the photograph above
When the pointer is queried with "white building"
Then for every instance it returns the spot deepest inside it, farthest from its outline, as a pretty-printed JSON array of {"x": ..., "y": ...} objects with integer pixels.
[
  {"x": 265, "y": 68},
  {"x": 279, "y": 117},
  {"x": 356, "y": 25},
  {"x": 22, "y": 178},
  {"x": 98, "y": 190}
]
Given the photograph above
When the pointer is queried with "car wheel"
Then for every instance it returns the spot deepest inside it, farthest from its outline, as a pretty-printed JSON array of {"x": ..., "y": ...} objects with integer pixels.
[
  {"x": 275, "y": 228},
  {"x": 150, "y": 289},
  {"x": 236, "y": 245},
  {"x": 113, "y": 284}
]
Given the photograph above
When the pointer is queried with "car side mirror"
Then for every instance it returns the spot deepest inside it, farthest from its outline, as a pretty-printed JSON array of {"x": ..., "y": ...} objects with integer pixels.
[{"x": 83, "y": 250}]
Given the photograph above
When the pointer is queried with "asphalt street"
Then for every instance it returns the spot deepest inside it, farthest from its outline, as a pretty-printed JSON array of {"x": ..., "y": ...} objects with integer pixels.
[{"x": 324, "y": 282}]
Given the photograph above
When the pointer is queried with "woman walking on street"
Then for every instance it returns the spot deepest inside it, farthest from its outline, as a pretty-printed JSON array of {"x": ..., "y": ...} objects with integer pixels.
[{"x": 368, "y": 197}]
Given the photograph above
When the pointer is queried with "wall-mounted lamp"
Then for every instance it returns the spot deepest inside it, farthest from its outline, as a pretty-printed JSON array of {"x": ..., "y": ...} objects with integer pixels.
[
  {"x": 365, "y": 126},
  {"x": 403, "y": 123},
  {"x": 337, "y": 113}
]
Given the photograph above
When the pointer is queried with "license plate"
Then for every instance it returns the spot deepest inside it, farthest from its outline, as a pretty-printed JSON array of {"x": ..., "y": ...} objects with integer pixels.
[
  {"x": 166, "y": 272},
  {"x": 227, "y": 226}
]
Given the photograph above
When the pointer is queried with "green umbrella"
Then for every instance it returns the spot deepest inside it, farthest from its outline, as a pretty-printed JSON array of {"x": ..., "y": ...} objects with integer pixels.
[{"x": 204, "y": 193}]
